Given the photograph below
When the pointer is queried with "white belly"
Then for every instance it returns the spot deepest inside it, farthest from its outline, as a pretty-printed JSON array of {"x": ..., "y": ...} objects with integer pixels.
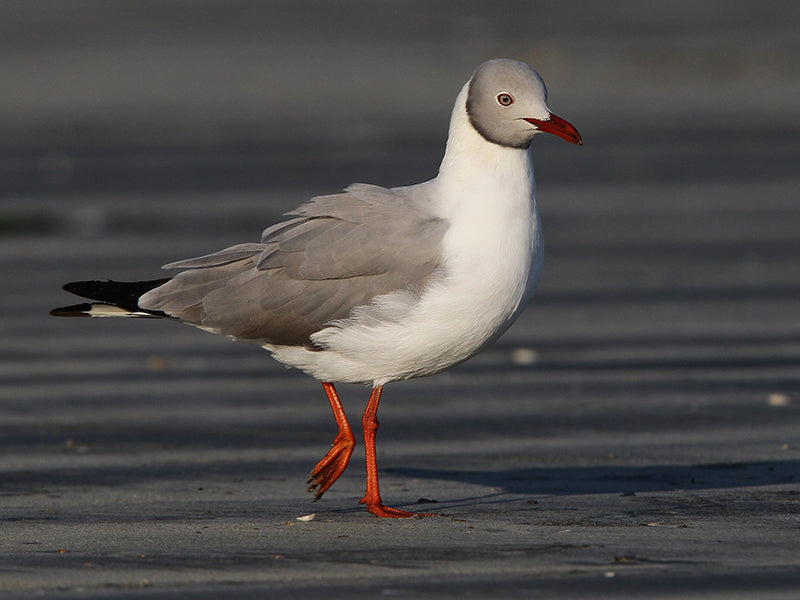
[{"x": 492, "y": 260}]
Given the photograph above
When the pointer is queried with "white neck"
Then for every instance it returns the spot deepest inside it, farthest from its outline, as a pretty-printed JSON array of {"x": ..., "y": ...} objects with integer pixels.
[
  {"x": 473, "y": 163},
  {"x": 493, "y": 247},
  {"x": 482, "y": 185}
]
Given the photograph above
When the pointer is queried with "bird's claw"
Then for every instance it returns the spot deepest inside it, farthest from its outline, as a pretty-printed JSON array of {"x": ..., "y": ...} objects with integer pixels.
[
  {"x": 379, "y": 510},
  {"x": 332, "y": 465}
]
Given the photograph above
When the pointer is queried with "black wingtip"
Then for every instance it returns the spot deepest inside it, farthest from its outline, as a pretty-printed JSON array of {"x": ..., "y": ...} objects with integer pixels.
[
  {"x": 79, "y": 288},
  {"x": 75, "y": 310},
  {"x": 124, "y": 294}
]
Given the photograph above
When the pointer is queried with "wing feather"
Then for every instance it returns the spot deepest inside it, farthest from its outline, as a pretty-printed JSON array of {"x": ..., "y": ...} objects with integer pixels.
[{"x": 335, "y": 254}]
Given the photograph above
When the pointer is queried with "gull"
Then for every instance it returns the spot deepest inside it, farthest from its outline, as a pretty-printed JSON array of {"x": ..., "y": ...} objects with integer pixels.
[{"x": 375, "y": 285}]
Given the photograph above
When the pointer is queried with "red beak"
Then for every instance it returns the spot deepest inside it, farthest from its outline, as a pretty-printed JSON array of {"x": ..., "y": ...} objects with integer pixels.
[{"x": 558, "y": 126}]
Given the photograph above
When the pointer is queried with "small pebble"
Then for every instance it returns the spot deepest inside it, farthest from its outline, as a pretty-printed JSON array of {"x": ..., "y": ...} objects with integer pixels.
[
  {"x": 524, "y": 356},
  {"x": 778, "y": 400},
  {"x": 307, "y": 518},
  {"x": 156, "y": 363}
]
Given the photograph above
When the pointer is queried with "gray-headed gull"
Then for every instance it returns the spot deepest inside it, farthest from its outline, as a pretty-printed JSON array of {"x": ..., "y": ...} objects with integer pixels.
[{"x": 375, "y": 285}]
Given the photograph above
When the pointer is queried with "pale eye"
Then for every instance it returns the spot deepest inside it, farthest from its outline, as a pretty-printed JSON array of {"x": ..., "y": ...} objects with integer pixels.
[{"x": 505, "y": 99}]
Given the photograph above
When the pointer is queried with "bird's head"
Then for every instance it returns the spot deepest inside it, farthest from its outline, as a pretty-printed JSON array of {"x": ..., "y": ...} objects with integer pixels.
[{"x": 507, "y": 105}]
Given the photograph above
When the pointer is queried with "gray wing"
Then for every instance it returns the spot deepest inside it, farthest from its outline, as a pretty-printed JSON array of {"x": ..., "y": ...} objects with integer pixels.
[{"x": 338, "y": 252}]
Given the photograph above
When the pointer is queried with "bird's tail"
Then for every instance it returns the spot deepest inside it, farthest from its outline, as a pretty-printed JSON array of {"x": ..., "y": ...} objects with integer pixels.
[{"x": 113, "y": 299}]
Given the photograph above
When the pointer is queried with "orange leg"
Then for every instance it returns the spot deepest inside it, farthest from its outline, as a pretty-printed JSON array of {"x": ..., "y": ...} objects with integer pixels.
[
  {"x": 372, "y": 498},
  {"x": 333, "y": 464}
]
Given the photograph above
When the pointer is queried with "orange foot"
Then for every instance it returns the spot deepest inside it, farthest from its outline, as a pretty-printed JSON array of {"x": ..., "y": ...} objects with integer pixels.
[
  {"x": 333, "y": 464},
  {"x": 379, "y": 510}
]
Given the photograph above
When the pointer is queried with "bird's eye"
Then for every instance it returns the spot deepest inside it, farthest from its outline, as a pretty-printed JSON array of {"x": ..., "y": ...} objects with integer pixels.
[{"x": 505, "y": 99}]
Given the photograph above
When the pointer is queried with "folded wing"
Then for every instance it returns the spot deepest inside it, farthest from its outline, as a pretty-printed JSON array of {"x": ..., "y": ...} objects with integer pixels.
[{"x": 336, "y": 253}]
